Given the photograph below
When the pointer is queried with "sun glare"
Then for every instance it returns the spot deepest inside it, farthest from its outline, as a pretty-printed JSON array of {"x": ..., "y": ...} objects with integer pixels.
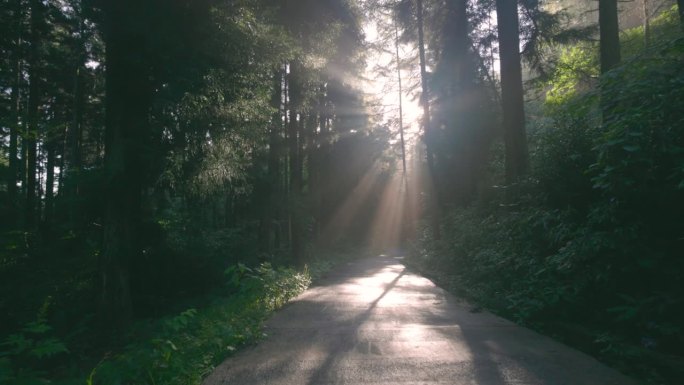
[{"x": 383, "y": 85}]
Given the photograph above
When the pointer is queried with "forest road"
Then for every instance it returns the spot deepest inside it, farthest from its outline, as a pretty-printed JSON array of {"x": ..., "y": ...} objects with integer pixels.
[{"x": 375, "y": 322}]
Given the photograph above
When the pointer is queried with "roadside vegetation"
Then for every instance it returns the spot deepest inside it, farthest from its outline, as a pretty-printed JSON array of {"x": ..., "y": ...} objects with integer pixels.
[{"x": 587, "y": 248}]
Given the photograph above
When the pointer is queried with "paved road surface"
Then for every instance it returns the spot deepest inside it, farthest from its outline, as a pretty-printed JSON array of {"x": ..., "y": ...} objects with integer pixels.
[{"x": 374, "y": 322}]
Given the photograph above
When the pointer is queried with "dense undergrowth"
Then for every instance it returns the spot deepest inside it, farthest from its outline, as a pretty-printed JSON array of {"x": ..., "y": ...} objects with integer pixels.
[
  {"x": 185, "y": 327},
  {"x": 588, "y": 247},
  {"x": 178, "y": 349}
]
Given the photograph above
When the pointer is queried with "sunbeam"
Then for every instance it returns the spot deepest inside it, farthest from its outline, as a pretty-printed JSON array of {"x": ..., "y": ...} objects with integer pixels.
[{"x": 350, "y": 207}]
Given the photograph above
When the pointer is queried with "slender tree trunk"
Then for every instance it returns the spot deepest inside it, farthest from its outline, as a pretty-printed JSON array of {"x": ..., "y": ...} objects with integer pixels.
[
  {"x": 646, "y": 23},
  {"x": 50, "y": 147},
  {"x": 127, "y": 133},
  {"x": 62, "y": 160},
  {"x": 13, "y": 160},
  {"x": 512, "y": 90},
  {"x": 609, "y": 45},
  {"x": 295, "y": 186},
  {"x": 284, "y": 177},
  {"x": 24, "y": 157},
  {"x": 32, "y": 118},
  {"x": 425, "y": 95},
  {"x": 322, "y": 159},
  {"x": 427, "y": 128},
  {"x": 77, "y": 122},
  {"x": 680, "y": 7},
  {"x": 78, "y": 103},
  {"x": 401, "y": 106},
  {"x": 301, "y": 153},
  {"x": 295, "y": 169},
  {"x": 15, "y": 102},
  {"x": 312, "y": 168},
  {"x": 609, "y": 34},
  {"x": 275, "y": 135},
  {"x": 74, "y": 140},
  {"x": 459, "y": 41}
]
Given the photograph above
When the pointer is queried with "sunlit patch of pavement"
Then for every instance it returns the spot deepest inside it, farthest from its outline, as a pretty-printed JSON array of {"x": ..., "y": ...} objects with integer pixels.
[{"x": 375, "y": 322}]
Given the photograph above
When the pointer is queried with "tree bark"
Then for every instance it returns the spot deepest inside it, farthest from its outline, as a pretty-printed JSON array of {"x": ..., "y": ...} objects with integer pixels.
[
  {"x": 646, "y": 22},
  {"x": 512, "y": 90},
  {"x": 459, "y": 43},
  {"x": 50, "y": 147},
  {"x": 78, "y": 102},
  {"x": 127, "y": 133},
  {"x": 427, "y": 128},
  {"x": 323, "y": 161},
  {"x": 31, "y": 134},
  {"x": 401, "y": 106},
  {"x": 312, "y": 164},
  {"x": 74, "y": 139},
  {"x": 680, "y": 7},
  {"x": 275, "y": 135},
  {"x": 15, "y": 102},
  {"x": 295, "y": 165},
  {"x": 609, "y": 34},
  {"x": 461, "y": 76}
]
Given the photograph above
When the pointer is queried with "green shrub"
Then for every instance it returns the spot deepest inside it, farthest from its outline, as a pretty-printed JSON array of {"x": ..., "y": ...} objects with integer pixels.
[
  {"x": 24, "y": 354},
  {"x": 183, "y": 349},
  {"x": 590, "y": 250}
]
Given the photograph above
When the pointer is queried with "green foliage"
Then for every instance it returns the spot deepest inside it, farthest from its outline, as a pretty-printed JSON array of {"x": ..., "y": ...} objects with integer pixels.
[
  {"x": 664, "y": 27},
  {"x": 184, "y": 348},
  {"x": 589, "y": 246},
  {"x": 177, "y": 349},
  {"x": 643, "y": 143},
  {"x": 24, "y": 354},
  {"x": 576, "y": 72}
]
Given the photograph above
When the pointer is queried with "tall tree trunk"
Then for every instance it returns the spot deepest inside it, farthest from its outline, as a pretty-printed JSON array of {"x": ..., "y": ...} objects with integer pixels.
[
  {"x": 427, "y": 128},
  {"x": 275, "y": 135},
  {"x": 15, "y": 102},
  {"x": 62, "y": 159},
  {"x": 284, "y": 177},
  {"x": 75, "y": 137},
  {"x": 126, "y": 135},
  {"x": 295, "y": 186},
  {"x": 13, "y": 160},
  {"x": 295, "y": 164},
  {"x": 425, "y": 94},
  {"x": 459, "y": 43},
  {"x": 401, "y": 106},
  {"x": 680, "y": 7},
  {"x": 22, "y": 163},
  {"x": 76, "y": 132},
  {"x": 50, "y": 147},
  {"x": 301, "y": 153},
  {"x": 457, "y": 57},
  {"x": 609, "y": 34},
  {"x": 312, "y": 164},
  {"x": 322, "y": 160},
  {"x": 511, "y": 89},
  {"x": 32, "y": 118},
  {"x": 646, "y": 22}
]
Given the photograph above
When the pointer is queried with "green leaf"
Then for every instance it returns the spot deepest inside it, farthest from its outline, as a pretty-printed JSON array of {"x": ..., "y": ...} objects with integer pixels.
[
  {"x": 37, "y": 327},
  {"x": 48, "y": 348},
  {"x": 19, "y": 342}
]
